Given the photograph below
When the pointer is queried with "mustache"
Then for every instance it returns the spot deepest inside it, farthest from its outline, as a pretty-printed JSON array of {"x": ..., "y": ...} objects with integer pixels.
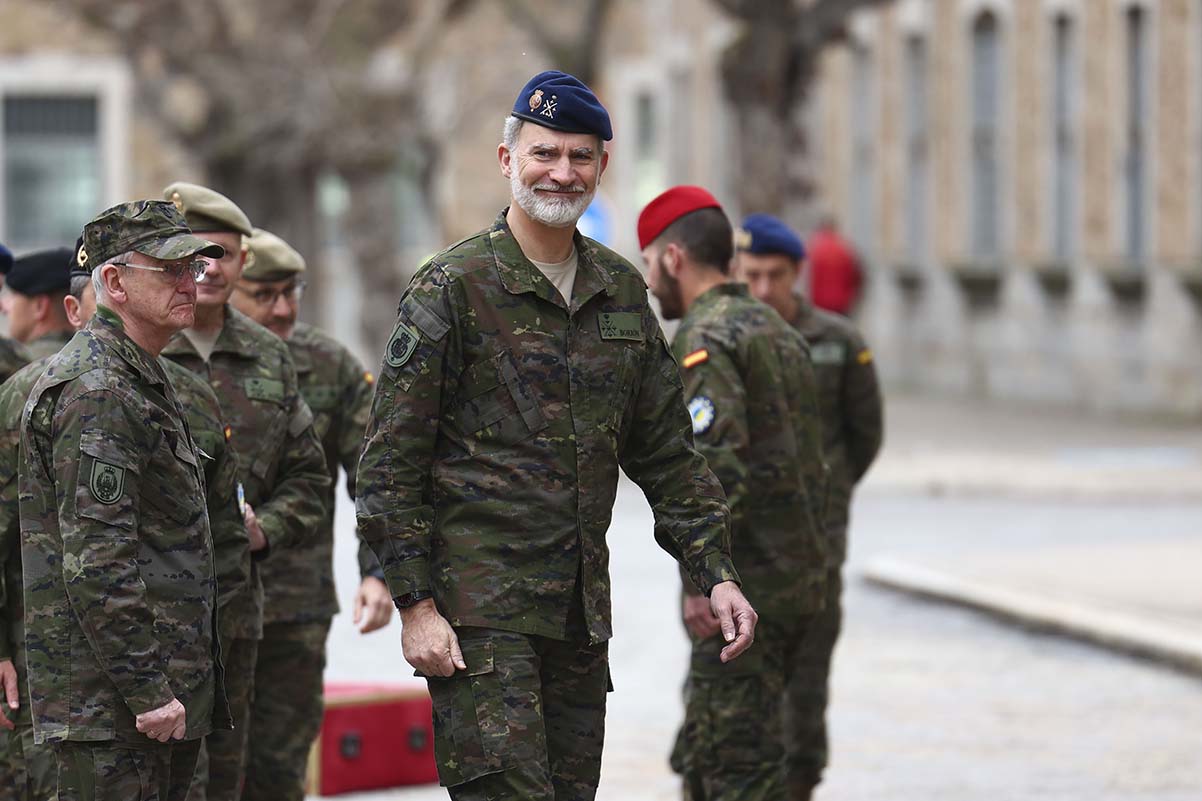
[{"x": 575, "y": 189}]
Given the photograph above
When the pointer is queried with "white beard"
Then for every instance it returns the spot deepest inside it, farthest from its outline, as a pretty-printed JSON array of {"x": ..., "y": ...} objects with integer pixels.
[{"x": 556, "y": 211}]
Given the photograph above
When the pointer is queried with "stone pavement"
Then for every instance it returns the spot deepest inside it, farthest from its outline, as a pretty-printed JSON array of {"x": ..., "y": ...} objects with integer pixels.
[{"x": 1140, "y": 594}]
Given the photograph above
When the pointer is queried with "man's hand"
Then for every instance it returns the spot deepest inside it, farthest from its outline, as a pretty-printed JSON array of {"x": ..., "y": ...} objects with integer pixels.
[
  {"x": 698, "y": 617},
  {"x": 428, "y": 641},
  {"x": 258, "y": 540},
  {"x": 735, "y": 617},
  {"x": 8, "y": 679},
  {"x": 373, "y": 605},
  {"x": 165, "y": 723}
]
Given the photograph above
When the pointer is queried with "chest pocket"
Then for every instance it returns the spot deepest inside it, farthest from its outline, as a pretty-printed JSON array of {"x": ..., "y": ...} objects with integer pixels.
[
  {"x": 320, "y": 397},
  {"x": 173, "y": 482},
  {"x": 269, "y": 422},
  {"x": 495, "y": 406}
]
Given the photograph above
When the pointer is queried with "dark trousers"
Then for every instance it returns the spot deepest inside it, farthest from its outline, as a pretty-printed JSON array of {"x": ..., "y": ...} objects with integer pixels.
[{"x": 113, "y": 771}]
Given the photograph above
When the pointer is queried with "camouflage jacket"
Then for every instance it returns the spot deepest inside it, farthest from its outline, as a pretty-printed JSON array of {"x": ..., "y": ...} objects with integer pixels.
[
  {"x": 120, "y": 592},
  {"x": 299, "y": 582},
  {"x": 230, "y": 543},
  {"x": 12, "y": 357},
  {"x": 280, "y": 463},
  {"x": 500, "y": 420},
  {"x": 752, "y": 399},
  {"x": 850, "y": 403},
  {"x": 47, "y": 345}
]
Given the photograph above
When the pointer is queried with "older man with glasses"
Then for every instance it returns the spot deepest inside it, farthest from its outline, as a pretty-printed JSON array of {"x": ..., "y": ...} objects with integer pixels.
[{"x": 120, "y": 590}]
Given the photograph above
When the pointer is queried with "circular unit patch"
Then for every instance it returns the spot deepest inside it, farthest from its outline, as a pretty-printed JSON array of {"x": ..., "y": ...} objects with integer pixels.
[{"x": 701, "y": 410}]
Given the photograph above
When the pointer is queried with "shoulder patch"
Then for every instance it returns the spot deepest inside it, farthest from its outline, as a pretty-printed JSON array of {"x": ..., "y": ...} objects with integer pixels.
[
  {"x": 695, "y": 358},
  {"x": 864, "y": 356},
  {"x": 107, "y": 482},
  {"x": 701, "y": 410},
  {"x": 401, "y": 345}
]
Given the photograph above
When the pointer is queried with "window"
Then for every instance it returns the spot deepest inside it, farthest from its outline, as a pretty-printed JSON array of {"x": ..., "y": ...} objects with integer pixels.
[
  {"x": 863, "y": 130},
  {"x": 1065, "y": 140},
  {"x": 649, "y": 167},
  {"x": 1135, "y": 168},
  {"x": 986, "y": 62},
  {"x": 52, "y": 169},
  {"x": 916, "y": 148}
]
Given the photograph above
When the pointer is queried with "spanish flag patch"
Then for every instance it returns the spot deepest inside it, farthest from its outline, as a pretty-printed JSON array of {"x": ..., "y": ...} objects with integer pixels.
[
  {"x": 368, "y": 378},
  {"x": 229, "y": 432},
  {"x": 695, "y": 358},
  {"x": 864, "y": 356}
]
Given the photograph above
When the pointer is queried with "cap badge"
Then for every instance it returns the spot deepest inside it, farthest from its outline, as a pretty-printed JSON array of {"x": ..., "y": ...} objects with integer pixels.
[
  {"x": 81, "y": 258},
  {"x": 536, "y": 99},
  {"x": 178, "y": 202},
  {"x": 549, "y": 108},
  {"x": 742, "y": 239}
]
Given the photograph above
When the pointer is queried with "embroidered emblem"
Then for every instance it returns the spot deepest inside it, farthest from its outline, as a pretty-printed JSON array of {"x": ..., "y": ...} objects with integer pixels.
[
  {"x": 108, "y": 482},
  {"x": 400, "y": 346},
  {"x": 550, "y": 107},
  {"x": 620, "y": 325},
  {"x": 695, "y": 358},
  {"x": 701, "y": 411}
]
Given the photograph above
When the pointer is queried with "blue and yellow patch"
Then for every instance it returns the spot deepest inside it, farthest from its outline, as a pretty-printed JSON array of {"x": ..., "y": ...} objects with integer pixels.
[{"x": 702, "y": 412}]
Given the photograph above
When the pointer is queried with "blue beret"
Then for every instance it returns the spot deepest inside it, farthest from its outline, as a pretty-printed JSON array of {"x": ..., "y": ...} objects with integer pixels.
[
  {"x": 554, "y": 99},
  {"x": 763, "y": 233},
  {"x": 42, "y": 272},
  {"x": 6, "y": 260}
]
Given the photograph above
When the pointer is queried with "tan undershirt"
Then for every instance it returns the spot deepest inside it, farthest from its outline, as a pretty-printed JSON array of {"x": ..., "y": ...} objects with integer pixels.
[
  {"x": 561, "y": 275},
  {"x": 202, "y": 341}
]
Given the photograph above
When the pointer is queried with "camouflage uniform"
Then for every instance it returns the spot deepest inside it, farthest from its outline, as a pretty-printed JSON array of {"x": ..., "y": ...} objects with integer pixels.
[
  {"x": 120, "y": 591},
  {"x": 299, "y": 583},
  {"x": 752, "y": 398},
  {"x": 281, "y": 469},
  {"x": 849, "y": 402},
  {"x": 12, "y": 357},
  {"x": 488, "y": 478}
]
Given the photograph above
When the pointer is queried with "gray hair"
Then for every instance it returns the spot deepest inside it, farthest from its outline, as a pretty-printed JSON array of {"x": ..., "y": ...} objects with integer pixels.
[
  {"x": 513, "y": 129},
  {"x": 78, "y": 284},
  {"x": 98, "y": 283}
]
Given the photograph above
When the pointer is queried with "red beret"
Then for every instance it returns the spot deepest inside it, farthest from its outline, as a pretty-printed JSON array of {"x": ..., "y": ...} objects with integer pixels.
[{"x": 670, "y": 207}]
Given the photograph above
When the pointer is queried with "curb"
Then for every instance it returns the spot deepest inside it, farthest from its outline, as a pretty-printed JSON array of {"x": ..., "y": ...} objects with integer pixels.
[{"x": 1116, "y": 631}]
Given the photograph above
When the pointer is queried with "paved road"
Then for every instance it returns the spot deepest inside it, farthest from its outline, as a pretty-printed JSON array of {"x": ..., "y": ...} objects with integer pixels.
[{"x": 929, "y": 702}]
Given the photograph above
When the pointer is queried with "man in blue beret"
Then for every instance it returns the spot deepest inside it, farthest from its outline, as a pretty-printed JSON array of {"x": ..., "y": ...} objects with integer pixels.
[
  {"x": 32, "y": 299},
  {"x": 12, "y": 356},
  {"x": 525, "y": 368},
  {"x": 770, "y": 258}
]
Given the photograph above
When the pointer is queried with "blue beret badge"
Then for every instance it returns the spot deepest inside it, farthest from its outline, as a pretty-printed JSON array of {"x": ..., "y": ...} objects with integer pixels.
[{"x": 701, "y": 411}]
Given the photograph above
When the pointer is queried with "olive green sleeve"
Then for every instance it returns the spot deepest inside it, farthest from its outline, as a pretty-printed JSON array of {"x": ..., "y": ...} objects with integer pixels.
[
  {"x": 863, "y": 416},
  {"x": 355, "y": 410},
  {"x": 392, "y": 503},
  {"x": 100, "y": 543},
  {"x": 297, "y": 504},
  {"x": 10, "y": 530},
  {"x": 692, "y": 519}
]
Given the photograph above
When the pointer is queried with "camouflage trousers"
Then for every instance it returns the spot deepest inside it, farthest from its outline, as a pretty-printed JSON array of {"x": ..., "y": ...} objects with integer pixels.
[
  {"x": 287, "y": 709},
  {"x": 221, "y": 764},
  {"x": 28, "y": 772},
  {"x": 113, "y": 771},
  {"x": 730, "y": 745},
  {"x": 526, "y": 720},
  {"x": 806, "y": 696}
]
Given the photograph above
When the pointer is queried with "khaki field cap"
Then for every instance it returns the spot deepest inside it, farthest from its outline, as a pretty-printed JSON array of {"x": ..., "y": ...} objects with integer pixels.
[
  {"x": 270, "y": 258},
  {"x": 207, "y": 210},
  {"x": 154, "y": 228}
]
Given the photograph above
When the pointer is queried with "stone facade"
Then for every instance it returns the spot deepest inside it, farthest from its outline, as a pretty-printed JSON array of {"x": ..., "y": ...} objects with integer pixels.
[{"x": 1079, "y": 305}]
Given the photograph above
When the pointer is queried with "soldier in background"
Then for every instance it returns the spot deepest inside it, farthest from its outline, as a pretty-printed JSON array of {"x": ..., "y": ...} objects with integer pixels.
[
  {"x": 120, "y": 587},
  {"x": 770, "y": 259},
  {"x": 299, "y": 582},
  {"x": 525, "y": 368},
  {"x": 32, "y": 299},
  {"x": 751, "y": 396},
  {"x": 12, "y": 355},
  {"x": 27, "y": 770},
  {"x": 280, "y": 463}
]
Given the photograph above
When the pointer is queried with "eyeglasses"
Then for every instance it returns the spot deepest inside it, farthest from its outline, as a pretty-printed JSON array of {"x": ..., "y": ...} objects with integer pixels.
[
  {"x": 267, "y": 297},
  {"x": 173, "y": 271}
]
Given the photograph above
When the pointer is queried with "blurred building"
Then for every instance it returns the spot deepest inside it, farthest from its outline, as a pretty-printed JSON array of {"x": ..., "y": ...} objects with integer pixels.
[{"x": 1024, "y": 180}]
